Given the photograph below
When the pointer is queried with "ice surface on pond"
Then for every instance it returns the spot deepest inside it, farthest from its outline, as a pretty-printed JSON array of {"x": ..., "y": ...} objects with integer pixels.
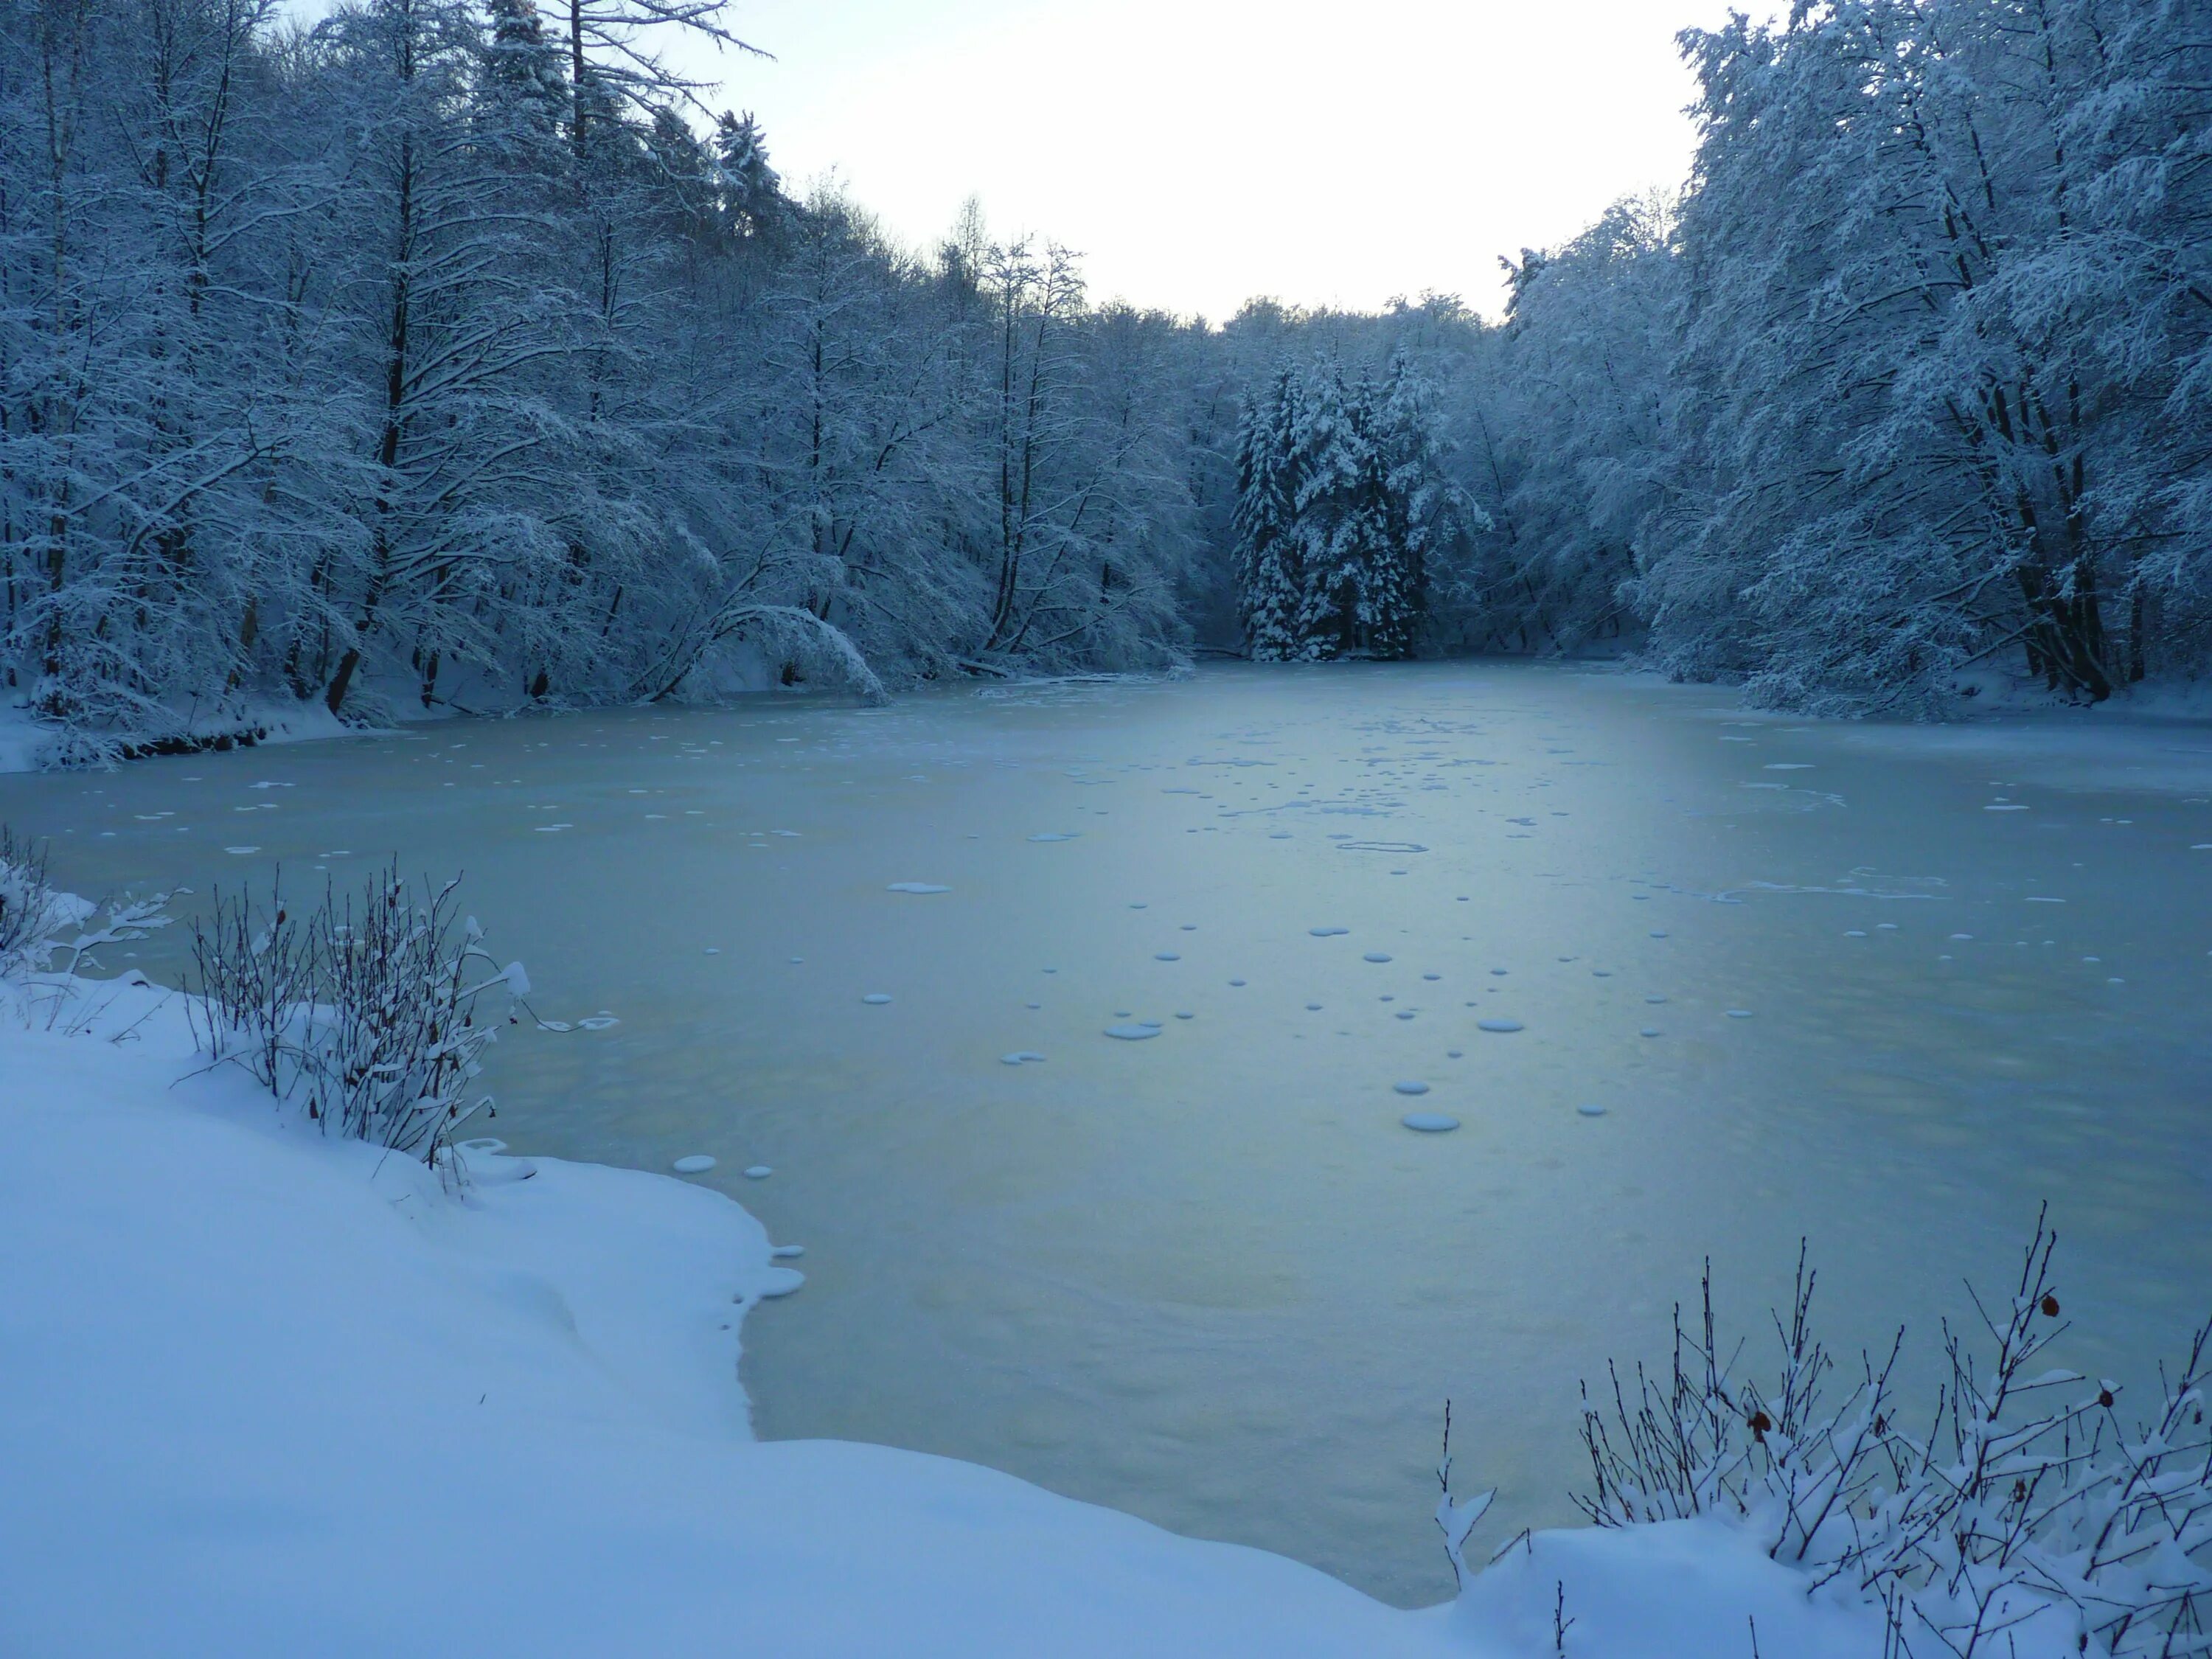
[
  {"x": 1066, "y": 1273},
  {"x": 758, "y": 1172},
  {"x": 694, "y": 1164},
  {"x": 1431, "y": 1123},
  {"x": 1135, "y": 1032},
  {"x": 1327, "y": 933},
  {"x": 877, "y": 998},
  {"x": 1411, "y": 1088},
  {"x": 1376, "y": 956},
  {"x": 1500, "y": 1026}
]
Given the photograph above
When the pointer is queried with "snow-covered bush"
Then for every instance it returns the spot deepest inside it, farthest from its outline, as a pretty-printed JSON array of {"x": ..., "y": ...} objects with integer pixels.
[
  {"x": 33, "y": 914},
  {"x": 256, "y": 984},
  {"x": 2030, "y": 1517},
  {"x": 48, "y": 937},
  {"x": 366, "y": 1012}
]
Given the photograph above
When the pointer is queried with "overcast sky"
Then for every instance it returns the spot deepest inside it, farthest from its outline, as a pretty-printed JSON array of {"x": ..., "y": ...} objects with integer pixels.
[{"x": 1199, "y": 152}]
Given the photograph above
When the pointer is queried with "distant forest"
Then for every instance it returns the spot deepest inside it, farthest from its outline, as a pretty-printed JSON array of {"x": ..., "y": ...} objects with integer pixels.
[{"x": 448, "y": 353}]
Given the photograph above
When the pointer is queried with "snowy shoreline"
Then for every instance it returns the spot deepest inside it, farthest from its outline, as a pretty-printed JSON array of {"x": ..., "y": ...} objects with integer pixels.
[
  {"x": 270, "y": 1392},
  {"x": 1995, "y": 710}
]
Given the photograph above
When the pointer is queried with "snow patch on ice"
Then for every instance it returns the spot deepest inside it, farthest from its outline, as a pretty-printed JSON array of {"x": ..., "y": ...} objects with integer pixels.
[{"x": 1430, "y": 1123}]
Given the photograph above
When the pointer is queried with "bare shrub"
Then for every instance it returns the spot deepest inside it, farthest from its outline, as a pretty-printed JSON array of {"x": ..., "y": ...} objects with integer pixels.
[
  {"x": 33, "y": 913},
  {"x": 2030, "y": 1512},
  {"x": 366, "y": 1011},
  {"x": 257, "y": 983},
  {"x": 396, "y": 1042}
]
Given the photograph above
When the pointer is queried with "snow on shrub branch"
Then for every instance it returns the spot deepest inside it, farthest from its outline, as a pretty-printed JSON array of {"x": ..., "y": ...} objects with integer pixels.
[
  {"x": 2029, "y": 1518},
  {"x": 48, "y": 936},
  {"x": 365, "y": 1011}
]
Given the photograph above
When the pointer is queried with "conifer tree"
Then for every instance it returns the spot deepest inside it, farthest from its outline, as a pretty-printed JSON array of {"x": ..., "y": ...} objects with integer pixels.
[
  {"x": 750, "y": 192},
  {"x": 1269, "y": 580},
  {"x": 1328, "y": 452},
  {"x": 523, "y": 72},
  {"x": 1418, "y": 514}
]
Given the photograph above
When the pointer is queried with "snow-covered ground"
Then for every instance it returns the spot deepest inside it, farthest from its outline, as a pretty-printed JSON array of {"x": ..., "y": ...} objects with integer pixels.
[
  {"x": 268, "y": 1392},
  {"x": 28, "y": 744}
]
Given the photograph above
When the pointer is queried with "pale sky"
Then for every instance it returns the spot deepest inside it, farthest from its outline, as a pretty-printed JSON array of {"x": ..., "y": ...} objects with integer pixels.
[{"x": 1199, "y": 152}]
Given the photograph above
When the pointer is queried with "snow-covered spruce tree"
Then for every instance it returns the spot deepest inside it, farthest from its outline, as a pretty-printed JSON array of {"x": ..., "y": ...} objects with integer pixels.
[
  {"x": 1269, "y": 580},
  {"x": 524, "y": 75},
  {"x": 1421, "y": 515},
  {"x": 1330, "y": 523},
  {"x": 748, "y": 190},
  {"x": 1344, "y": 501}
]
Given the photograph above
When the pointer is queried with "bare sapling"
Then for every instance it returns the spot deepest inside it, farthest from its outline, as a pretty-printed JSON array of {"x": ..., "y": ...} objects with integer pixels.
[{"x": 2031, "y": 1512}]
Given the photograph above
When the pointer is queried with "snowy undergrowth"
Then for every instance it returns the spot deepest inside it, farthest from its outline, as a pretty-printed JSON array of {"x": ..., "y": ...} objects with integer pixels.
[
  {"x": 364, "y": 1009},
  {"x": 2035, "y": 1515}
]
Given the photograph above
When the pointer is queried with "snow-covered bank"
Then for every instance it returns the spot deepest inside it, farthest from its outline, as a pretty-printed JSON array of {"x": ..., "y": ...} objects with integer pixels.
[
  {"x": 265, "y": 1393},
  {"x": 27, "y": 743}
]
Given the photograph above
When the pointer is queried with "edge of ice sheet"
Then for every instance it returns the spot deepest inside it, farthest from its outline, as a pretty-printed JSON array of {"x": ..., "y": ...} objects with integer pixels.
[{"x": 336, "y": 1447}]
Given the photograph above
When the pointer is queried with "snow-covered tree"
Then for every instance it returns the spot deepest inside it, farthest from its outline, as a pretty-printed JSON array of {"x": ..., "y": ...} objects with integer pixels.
[
  {"x": 1270, "y": 581},
  {"x": 749, "y": 191},
  {"x": 1343, "y": 501}
]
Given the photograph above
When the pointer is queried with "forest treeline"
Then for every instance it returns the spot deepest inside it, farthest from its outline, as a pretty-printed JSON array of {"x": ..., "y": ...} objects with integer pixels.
[{"x": 445, "y": 353}]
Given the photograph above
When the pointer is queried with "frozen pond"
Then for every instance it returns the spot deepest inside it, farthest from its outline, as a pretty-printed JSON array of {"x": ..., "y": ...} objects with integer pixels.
[{"x": 1886, "y": 988}]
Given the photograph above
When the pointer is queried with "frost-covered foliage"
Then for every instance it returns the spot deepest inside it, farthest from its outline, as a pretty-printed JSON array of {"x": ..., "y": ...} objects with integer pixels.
[
  {"x": 1569, "y": 426},
  {"x": 434, "y": 356},
  {"x": 1909, "y": 377},
  {"x": 364, "y": 1011},
  {"x": 432, "y": 353},
  {"x": 2036, "y": 1514},
  {"x": 49, "y": 937},
  {"x": 33, "y": 913},
  {"x": 1943, "y": 325},
  {"x": 1344, "y": 508}
]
